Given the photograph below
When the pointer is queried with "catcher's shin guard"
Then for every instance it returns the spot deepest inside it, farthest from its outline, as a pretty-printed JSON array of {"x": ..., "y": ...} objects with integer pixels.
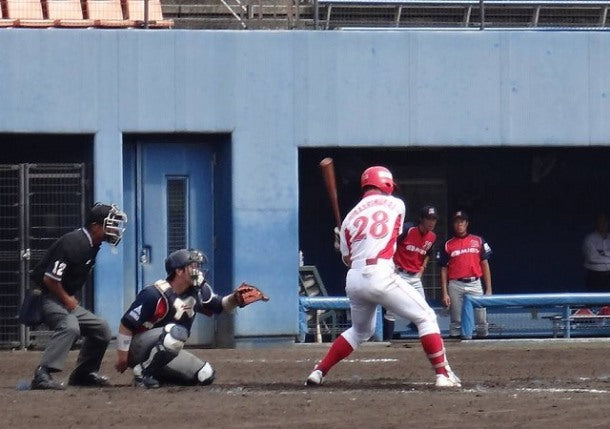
[
  {"x": 206, "y": 374},
  {"x": 170, "y": 343}
]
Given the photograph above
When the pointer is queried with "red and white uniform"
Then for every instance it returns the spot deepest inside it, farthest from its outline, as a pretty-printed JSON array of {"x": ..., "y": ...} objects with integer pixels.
[
  {"x": 413, "y": 250},
  {"x": 411, "y": 253},
  {"x": 463, "y": 255},
  {"x": 368, "y": 236}
]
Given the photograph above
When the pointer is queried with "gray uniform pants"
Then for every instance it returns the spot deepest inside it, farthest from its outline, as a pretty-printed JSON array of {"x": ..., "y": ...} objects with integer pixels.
[
  {"x": 457, "y": 290},
  {"x": 67, "y": 327},
  {"x": 182, "y": 369}
]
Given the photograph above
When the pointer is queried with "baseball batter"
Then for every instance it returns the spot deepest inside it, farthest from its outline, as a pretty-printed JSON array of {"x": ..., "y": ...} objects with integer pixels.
[
  {"x": 154, "y": 329},
  {"x": 367, "y": 243},
  {"x": 413, "y": 251},
  {"x": 464, "y": 262}
]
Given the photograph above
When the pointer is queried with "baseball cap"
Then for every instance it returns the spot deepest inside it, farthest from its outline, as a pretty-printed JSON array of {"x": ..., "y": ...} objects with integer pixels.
[
  {"x": 428, "y": 212},
  {"x": 460, "y": 214}
]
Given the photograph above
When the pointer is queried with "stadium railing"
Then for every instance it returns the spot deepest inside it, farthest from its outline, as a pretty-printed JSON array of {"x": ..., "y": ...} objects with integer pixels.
[
  {"x": 463, "y": 13},
  {"x": 564, "y": 303},
  {"x": 330, "y": 303}
]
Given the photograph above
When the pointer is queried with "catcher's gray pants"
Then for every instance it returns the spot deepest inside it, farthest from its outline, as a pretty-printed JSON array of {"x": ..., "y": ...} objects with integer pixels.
[
  {"x": 183, "y": 369},
  {"x": 67, "y": 327},
  {"x": 414, "y": 281},
  {"x": 457, "y": 290}
]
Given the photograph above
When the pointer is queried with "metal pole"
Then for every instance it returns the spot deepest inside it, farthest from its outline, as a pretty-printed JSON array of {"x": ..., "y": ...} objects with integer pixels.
[
  {"x": 316, "y": 11},
  {"x": 482, "y": 10},
  {"x": 24, "y": 264},
  {"x": 145, "y": 13}
]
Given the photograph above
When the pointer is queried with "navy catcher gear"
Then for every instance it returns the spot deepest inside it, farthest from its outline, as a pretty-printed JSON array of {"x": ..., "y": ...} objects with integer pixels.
[
  {"x": 187, "y": 258},
  {"x": 168, "y": 346},
  {"x": 183, "y": 257}
]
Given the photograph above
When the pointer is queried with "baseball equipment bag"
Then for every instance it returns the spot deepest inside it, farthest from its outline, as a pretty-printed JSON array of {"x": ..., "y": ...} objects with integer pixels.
[
  {"x": 246, "y": 294},
  {"x": 30, "y": 313}
]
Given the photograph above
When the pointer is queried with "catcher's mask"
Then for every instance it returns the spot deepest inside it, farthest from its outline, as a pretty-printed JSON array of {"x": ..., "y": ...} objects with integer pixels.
[
  {"x": 193, "y": 259},
  {"x": 111, "y": 218}
]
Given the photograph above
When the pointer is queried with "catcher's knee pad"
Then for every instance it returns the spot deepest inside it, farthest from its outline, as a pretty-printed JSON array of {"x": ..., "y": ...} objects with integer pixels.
[
  {"x": 168, "y": 346},
  {"x": 173, "y": 337},
  {"x": 206, "y": 374}
]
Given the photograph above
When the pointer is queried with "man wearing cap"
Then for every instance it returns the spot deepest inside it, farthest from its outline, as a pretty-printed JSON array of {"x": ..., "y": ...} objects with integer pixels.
[
  {"x": 413, "y": 252},
  {"x": 464, "y": 262},
  {"x": 62, "y": 272}
]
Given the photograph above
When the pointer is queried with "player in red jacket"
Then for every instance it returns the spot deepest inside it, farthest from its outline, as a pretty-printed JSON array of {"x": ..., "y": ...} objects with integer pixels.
[
  {"x": 413, "y": 252},
  {"x": 464, "y": 262}
]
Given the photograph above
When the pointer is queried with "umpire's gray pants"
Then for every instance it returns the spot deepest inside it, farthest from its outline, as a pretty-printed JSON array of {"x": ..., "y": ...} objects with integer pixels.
[
  {"x": 67, "y": 327},
  {"x": 182, "y": 369},
  {"x": 457, "y": 290}
]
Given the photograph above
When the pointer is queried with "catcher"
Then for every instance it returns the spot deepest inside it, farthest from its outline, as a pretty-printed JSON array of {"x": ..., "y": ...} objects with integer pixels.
[{"x": 158, "y": 323}]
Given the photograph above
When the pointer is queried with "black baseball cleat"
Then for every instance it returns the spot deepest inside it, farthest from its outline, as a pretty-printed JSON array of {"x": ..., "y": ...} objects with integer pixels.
[
  {"x": 92, "y": 379},
  {"x": 146, "y": 382},
  {"x": 43, "y": 380}
]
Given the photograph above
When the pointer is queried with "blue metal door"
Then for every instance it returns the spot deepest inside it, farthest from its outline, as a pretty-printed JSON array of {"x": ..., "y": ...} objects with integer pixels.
[{"x": 175, "y": 210}]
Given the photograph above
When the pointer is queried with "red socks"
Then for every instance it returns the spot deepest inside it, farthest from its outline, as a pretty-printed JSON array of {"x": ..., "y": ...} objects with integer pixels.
[
  {"x": 435, "y": 350},
  {"x": 339, "y": 350}
]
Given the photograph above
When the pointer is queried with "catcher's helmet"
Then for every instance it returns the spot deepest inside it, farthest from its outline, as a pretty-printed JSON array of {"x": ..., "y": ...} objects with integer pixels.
[
  {"x": 183, "y": 257},
  {"x": 111, "y": 218},
  {"x": 379, "y": 177}
]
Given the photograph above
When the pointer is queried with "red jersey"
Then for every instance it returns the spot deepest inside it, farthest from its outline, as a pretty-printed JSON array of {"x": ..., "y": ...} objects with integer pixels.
[
  {"x": 413, "y": 248},
  {"x": 463, "y": 255}
]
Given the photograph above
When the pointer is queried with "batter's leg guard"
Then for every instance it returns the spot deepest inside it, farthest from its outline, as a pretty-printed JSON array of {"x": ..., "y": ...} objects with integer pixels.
[{"x": 170, "y": 343}]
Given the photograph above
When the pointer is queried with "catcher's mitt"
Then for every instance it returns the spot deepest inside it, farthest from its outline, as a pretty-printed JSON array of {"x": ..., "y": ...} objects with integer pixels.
[{"x": 246, "y": 294}]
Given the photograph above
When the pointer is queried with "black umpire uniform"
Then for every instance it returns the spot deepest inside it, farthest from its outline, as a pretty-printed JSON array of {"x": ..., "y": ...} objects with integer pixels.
[{"x": 60, "y": 274}]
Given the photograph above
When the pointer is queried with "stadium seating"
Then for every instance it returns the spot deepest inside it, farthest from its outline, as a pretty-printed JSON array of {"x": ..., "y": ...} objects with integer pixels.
[
  {"x": 27, "y": 13},
  {"x": 67, "y": 13},
  {"x": 135, "y": 12},
  {"x": 4, "y": 21},
  {"x": 107, "y": 13},
  {"x": 81, "y": 14}
]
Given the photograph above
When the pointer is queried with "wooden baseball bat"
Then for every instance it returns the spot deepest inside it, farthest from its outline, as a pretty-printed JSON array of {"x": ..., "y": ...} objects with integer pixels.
[{"x": 328, "y": 173}]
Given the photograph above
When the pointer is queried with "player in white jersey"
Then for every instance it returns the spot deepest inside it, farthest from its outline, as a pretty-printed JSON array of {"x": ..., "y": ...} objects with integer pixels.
[{"x": 367, "y": 243}]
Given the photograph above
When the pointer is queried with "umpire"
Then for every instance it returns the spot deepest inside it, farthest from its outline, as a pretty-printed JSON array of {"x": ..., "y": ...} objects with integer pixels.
[{"x": 60, "y": 274}]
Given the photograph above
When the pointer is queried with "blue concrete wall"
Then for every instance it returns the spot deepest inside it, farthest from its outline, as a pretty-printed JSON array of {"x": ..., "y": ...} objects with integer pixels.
[{"x": 277, "y": 91}]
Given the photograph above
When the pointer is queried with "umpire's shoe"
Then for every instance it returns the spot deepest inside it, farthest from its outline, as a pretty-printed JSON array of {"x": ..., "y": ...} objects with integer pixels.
[
  {"x": 92, "y": 379},
  {"x": 146, "y": 382},
  {"x": 43, "y": 380}
]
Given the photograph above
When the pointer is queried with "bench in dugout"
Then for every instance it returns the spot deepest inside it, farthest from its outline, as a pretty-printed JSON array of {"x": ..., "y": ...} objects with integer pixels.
[
  {"x": 319, "y": 322},
  {"x": 323, "y": 315},
  {"x": 569, "y": 313},
  {"x": 582, "y": 320}
]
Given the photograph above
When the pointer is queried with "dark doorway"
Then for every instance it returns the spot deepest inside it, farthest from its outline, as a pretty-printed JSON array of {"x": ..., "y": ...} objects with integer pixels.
[{"x": 533, "y": 205}]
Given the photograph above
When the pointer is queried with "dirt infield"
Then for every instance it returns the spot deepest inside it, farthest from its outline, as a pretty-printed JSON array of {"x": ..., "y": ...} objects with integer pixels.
[{"x": 505, "y": 384}]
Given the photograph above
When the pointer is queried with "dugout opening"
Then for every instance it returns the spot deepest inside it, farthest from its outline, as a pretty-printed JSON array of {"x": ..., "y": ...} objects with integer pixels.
[{"x": 534, "y": 205}]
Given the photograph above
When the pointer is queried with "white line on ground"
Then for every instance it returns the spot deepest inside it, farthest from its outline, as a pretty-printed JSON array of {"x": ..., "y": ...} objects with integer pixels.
[{"x": 262, "y": 360}]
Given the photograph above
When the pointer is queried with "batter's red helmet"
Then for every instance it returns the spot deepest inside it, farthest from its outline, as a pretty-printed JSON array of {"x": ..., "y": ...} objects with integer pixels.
[{"x": 379, "y": 177}]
